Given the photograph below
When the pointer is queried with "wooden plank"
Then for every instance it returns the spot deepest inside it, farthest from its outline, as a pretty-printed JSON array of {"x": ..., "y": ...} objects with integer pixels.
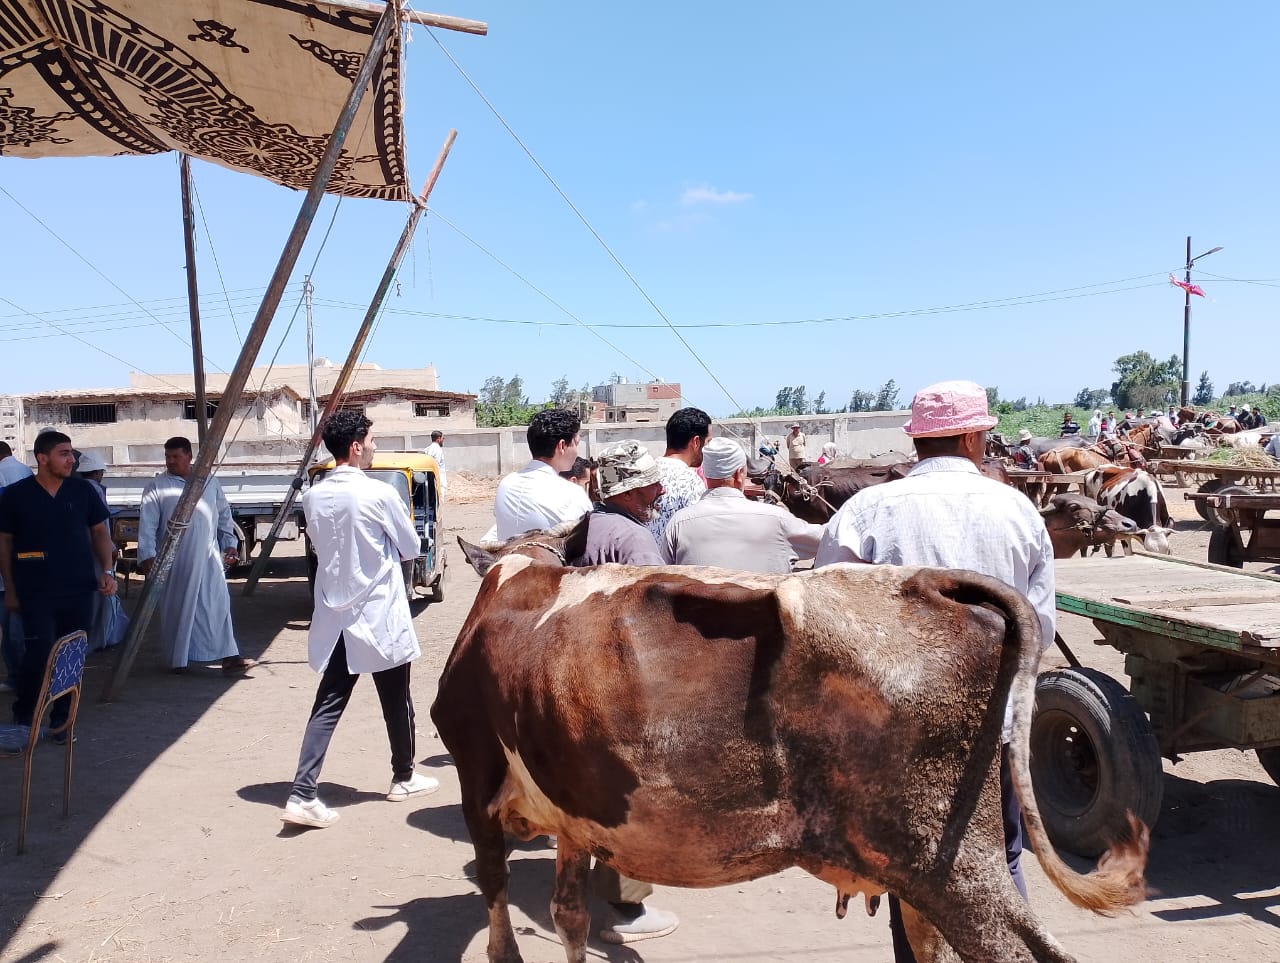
[{"x": 1168, "y": 597}]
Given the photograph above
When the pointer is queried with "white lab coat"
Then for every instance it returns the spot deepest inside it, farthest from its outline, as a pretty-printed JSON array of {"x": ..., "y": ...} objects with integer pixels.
[
  {"x": 361, "y": 530},
  {"x": 195, "y": 610}
]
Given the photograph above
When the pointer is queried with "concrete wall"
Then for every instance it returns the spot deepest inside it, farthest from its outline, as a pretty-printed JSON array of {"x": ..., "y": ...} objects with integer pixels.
[{"x": 492, "y": 452}]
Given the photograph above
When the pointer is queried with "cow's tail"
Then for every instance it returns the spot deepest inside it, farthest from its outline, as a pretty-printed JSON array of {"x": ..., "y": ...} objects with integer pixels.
[{"x": 1117, "y": 882}]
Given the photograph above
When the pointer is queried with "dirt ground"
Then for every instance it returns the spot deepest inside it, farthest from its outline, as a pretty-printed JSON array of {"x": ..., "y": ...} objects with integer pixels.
[{"x": 173, "y": 850}]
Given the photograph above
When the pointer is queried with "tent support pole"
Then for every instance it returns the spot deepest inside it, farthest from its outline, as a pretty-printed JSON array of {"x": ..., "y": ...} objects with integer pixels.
[
  {"x": 193, "y": 299},
  {"x": 203, "y": 465},
  {"x": 353, "y": 356}
]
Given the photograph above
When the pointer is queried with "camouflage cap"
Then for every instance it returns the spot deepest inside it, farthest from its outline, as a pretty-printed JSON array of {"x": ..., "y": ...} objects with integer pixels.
[{"x": 624, "y": 466}]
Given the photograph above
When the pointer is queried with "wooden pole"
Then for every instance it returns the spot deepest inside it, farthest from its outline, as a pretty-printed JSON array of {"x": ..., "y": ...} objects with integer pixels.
[
  {"x": 348, "y": 368},
  {"x": 193, "y": 299},
  {"x": 230, "y": 400},
  {"x": 445, "y": 22}
]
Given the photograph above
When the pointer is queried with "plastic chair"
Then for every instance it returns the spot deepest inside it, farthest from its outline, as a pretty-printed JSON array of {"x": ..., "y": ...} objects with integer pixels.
[{"x": 63, "y": 677}]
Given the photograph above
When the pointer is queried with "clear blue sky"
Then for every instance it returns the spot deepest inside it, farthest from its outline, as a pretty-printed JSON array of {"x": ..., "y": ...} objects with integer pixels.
[{"x": 748, "y": 164}]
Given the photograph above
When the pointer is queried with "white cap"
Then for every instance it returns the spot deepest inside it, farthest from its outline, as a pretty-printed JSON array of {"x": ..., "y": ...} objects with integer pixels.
[
  {"x": 721, "y": 457},
  {"x": 91, "y": 462}
]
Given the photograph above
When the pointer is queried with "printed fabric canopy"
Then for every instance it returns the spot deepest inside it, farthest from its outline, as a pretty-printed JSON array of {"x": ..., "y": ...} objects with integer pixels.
[{"x": 254, "y": 85}]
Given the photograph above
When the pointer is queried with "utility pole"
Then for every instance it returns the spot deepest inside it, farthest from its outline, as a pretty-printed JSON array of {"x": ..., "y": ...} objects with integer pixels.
[
  {"x": 311, "y": 354},
  {"x": 1186, "y": 322}
]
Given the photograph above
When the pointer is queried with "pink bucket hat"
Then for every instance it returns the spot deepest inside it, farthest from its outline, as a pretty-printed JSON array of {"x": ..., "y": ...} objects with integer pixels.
[{"x": 949, "y": 408}]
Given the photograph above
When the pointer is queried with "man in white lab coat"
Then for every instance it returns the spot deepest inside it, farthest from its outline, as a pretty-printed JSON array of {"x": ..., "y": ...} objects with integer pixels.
[
  {"x": 195, "y": 610},
  {"x": 361, "y": 531}
]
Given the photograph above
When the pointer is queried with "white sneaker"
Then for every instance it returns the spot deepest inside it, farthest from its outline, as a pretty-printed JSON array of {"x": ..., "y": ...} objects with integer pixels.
[
  {"x": 415, "y": 785},
  {"x": 313, "y": 813},
  {"x": 651, "y": 923}
]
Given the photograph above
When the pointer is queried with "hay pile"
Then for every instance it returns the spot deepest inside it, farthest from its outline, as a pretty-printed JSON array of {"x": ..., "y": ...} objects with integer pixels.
[{"x": 1250, "y": 458}]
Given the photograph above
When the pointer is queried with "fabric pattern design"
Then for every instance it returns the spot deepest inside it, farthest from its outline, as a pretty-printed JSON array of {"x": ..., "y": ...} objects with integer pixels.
[{"x": 257, "y": 90}]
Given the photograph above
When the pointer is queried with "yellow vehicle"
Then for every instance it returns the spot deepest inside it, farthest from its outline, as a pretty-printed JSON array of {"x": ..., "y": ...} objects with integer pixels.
[{"x": 417, "y": 478}]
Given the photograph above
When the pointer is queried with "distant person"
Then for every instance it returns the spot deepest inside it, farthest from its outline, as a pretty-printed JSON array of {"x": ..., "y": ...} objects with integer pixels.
[
  {"x": 11, "y": 470},
  {"x": 687, "y": 431},
  {"x": 1273, "y": 446},
  {"x": 582, "y": 474},
  {"x": 1172, "y": 412},
  {"x": 726, "y": 530},
  {"x": 436, "y": 450},
  {"x": 1260, "y": 417},
  {"x": 1024, "y": 455},
  {"x": 109, "y": 621},
  {"x": 361, "y": 621},
  {"x": 53, "y": 528},
  {"x": 829, "y": 453},
  {"x": 1232, "y": 413},
  {"x": 195, "y": 609},
  {"x": 536, "y": 498},
  {"x": 1094, "y": 428},
  {"x": 796, "y": 447},
  {"x": 1248, "y": 419},
  {"x": 1069, "y": 426}
]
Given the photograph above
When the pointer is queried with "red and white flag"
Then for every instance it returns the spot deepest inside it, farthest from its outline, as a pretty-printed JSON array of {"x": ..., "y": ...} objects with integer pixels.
[{"x": 1186, "y": 286}]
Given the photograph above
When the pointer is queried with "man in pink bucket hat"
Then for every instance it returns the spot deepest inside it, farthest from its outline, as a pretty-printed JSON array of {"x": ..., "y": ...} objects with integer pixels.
[{"x": 947, "y": 514}]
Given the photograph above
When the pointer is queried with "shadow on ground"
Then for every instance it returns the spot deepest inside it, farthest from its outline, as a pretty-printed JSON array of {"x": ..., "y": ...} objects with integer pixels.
[{"x": 117, "y": 742}]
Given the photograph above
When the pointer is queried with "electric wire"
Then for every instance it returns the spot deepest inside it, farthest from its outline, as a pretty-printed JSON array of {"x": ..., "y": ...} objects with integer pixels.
[
  {"x": 31, "y": 214},
  {"x": 90, "y": 344},
  {"x": 214, "y": 254},
  {"x": 587, "y": 224}
]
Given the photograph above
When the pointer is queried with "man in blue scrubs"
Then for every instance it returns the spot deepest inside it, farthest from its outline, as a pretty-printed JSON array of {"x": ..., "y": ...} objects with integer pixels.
[{"x": 52, "y": 525}]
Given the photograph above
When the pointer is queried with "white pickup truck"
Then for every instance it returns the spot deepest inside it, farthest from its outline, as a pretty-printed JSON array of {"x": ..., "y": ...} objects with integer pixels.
[{"x": 254, "y": 491}]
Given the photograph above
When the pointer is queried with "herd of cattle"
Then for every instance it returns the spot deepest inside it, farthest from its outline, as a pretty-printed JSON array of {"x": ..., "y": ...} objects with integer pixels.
[{"x": 1121, "y": 500}]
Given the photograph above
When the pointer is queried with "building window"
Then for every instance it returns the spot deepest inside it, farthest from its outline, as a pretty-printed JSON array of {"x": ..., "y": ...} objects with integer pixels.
[
  {"x": 425, "y": 409},
  {"x": 104, "y": 414},
  {"x": 189, "y": 409},
  {"x": 358, "y": 409}
]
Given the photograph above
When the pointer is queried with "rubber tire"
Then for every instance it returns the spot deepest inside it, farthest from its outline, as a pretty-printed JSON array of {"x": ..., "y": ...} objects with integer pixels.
[
  {"x": 437, "y": 590},
  {"x": 1219, "y": 520},
  {"x": 1081, "y": 814},
  {"x": 1208, "y": 488},
  {"x": 1270, "y": 760},
  {"x": 1220, "y": 549}
]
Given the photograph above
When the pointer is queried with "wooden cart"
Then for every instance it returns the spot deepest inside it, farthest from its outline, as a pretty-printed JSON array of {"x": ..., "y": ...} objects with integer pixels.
[
  {"x": 1242, "y": 531},
  {"x": 1213, "y": 479},
  {"x": 1202, "y": 653}
]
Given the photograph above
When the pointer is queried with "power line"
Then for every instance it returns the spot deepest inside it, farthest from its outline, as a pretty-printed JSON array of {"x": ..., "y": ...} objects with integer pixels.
[
  {"x": 95, "y": 268},
  {"x": 214, "y": 254},
  {"x": 587, "y": 224},
  {"x": 910, "y": 312},
  {"x": 72, "y": 334}
]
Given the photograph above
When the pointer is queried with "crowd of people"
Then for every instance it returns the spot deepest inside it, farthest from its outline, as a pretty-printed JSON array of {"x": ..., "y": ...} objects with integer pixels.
[{"x": 688, "y": 507}]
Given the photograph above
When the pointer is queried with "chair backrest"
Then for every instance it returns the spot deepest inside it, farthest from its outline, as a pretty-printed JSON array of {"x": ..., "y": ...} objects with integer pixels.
[{"x": 66, "y": 664}]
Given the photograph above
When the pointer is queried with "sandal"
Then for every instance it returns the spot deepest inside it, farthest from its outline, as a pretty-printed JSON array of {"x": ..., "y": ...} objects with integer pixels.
[{"x": 238, "y": 666}]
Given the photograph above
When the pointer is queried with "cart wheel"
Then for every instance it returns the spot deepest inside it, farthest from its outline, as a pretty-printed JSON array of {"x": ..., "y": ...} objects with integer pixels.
[
  {"x": 1222, "y": 550},
  {"x": 1094, "y": 758},
  {"x": 1208, "y": 488},
  {"x": 437, "y": 589},
  {"x": 1217, "y": 517},
  {"x": 1270, "y": 759}
]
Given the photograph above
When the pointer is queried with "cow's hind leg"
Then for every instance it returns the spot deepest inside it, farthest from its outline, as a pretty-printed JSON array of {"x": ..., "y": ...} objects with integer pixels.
[
  {"x": 569, "y": 904},
  {"x": 492, "y": 873},
  {"x": 982, "y": 923}
]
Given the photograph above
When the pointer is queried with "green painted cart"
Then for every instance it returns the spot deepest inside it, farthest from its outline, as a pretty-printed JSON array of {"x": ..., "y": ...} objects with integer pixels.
[{"x": 1202, "y": 654}]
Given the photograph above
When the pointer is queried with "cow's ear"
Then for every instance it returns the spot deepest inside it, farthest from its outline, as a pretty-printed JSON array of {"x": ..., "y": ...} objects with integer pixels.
[
  {"x": 575, "y": 543},
  {"x": 477, "y": 557}
]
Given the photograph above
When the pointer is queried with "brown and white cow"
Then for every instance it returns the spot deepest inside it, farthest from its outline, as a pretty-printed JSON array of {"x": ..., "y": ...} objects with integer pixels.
[
  {"x": 1135, "y": 494},
  {"x": 697, "y": 727}
]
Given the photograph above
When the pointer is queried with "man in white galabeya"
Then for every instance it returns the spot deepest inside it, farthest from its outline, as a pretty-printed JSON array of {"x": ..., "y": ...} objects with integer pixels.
[
  {"x": 946, "y": 514},
  {"x": 195, "y": 610},
  {"x": 361, "y": 621}
]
